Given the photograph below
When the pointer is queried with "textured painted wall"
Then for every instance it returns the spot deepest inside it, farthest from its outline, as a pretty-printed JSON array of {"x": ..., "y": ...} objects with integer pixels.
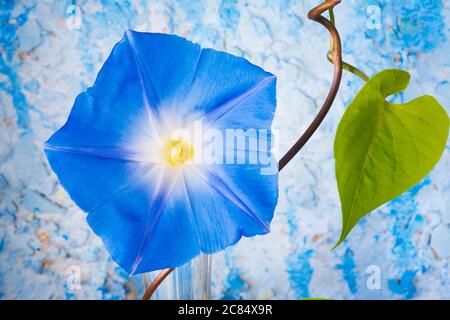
[{"x": 50, "y": 50}]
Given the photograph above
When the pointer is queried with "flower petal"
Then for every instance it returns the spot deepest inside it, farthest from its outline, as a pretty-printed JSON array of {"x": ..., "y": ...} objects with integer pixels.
[
  {"x": 222, "y": 80},
  {"x": 124, "y": 200},
  {"x": 167, "y": 64},
  {"x": 197, "y": 218},
  {"x": 183, "y": 79},
  {"x": 148, "y": 215},
  {"x": 106, "y": 117},
  {"x": 254, "y": 109}
]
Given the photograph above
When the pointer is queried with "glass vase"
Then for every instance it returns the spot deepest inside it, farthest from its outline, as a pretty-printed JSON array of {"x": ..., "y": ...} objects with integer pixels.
[{"x": 191, "y": 281}]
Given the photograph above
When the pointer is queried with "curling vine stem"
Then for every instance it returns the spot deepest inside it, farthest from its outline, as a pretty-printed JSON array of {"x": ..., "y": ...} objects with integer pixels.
[
  {"x": 335, "y": 54},
  {"x": 346, "y": 66}
]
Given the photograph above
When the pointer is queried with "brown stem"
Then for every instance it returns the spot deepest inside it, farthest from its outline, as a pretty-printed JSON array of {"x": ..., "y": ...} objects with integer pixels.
[
  {"x": 336, "y": 57},
  {"x": 155, "y": 283},
  {"x": 346, "y": 66}
]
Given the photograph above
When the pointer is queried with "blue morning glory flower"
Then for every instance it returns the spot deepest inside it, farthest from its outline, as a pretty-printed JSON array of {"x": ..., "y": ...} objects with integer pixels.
[{"x": 158, "y": 199}]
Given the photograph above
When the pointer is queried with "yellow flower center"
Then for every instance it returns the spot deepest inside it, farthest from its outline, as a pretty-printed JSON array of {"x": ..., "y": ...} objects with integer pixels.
[{"x": 177, "y": 153}]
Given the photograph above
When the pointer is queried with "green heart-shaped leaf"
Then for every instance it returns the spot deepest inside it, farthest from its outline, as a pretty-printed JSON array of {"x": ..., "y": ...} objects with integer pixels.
[{"x": 382, "y": 149}]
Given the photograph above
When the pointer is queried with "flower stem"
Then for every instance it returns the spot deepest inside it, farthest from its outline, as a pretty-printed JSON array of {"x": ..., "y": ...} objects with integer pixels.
[
  {"x": 335, "y": 54},
  {"x": 155, "y": 284}
]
